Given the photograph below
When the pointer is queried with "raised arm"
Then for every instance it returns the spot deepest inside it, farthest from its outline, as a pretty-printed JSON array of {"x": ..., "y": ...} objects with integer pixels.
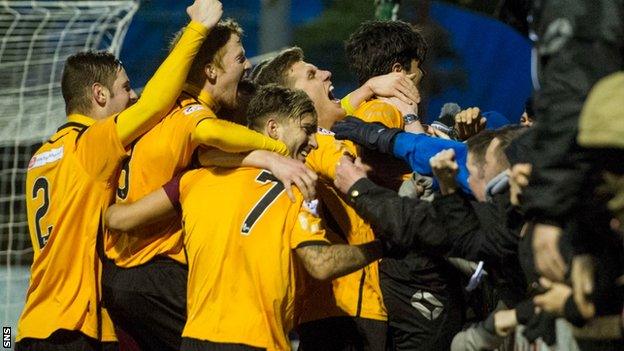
[
  {"x": 393, "y": 84},
  {"x": 166, "y": 84},
  {"x": 232, "y": 137}
]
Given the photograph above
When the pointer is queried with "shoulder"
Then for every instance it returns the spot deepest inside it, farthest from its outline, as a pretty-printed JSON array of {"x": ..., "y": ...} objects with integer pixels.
[
  {"x": 380, "y": 111},
  {"x": 378, "y": 106},
  {"x": 194, "y": 112}
]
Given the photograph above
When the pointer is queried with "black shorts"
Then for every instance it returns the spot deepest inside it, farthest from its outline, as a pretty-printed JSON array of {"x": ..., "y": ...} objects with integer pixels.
[
  {"x": 419, "y": 319},
  {"x": 148, "y": 302},
  {"x": 190, "y": 344},
  {"x": 343, "y": 333},
  {"x": 65, "y": 340}
]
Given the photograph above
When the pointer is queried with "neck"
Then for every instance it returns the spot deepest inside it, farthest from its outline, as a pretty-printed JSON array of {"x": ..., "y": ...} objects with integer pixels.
[
  {"x": 95, "y": 113},
  {"x": 326, "y": 121},
  {"x": 211, "y": 93}
]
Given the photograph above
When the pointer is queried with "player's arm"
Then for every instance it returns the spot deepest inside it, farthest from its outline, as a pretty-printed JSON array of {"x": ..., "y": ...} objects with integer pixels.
[
  {"x": 166, "y": 84},
  {"x": 287, "y": 170},
  {"x": 393, "y": 84},
  {"x": 232, "y": 137},
  {"x": 325, "y": 262},
  {"x": 152, "y": 208},
  {"x": 156, "y": 206}
]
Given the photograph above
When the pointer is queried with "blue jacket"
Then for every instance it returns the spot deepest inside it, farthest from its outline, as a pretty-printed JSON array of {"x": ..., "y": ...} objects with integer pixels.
[{"x": 417, "y": 149}]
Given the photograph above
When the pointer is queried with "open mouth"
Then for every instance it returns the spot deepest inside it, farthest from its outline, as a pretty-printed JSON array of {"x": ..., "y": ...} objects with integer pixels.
[
  {"x": 330, "y": 95},
  {"x": 303, "y": 152}
]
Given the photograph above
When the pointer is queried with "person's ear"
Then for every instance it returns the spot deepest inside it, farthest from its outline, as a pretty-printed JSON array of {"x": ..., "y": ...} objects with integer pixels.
[
  {"x": 272, "y": 128},
  {"x": 211, "y": 72},
  {"x": 397, "y": 67},
  {"x": 99, "y": 93}
]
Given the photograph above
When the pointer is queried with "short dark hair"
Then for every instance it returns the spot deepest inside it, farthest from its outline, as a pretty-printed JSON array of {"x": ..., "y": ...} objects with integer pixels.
[
  {"x": 211, "y": 50},
  {"x": 81, "y": 71},
  {"x": 376, "y": 46},
  {"x": 279, "y": 102},
  {"x": 505, "y": 136},
  {"x": 275, "y": 70},
  {"x": 477, "y": 146}
]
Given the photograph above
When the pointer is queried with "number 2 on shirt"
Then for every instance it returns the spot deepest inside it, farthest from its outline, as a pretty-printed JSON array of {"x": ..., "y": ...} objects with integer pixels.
[
  {"x": 41, "y": 183},
  {"x": 264, "y": 203}
]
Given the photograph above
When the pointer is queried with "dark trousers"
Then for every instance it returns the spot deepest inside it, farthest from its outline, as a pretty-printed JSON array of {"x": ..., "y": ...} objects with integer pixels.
[
  {"x": 148, "y": 302},
  {"x": 419, "y": 319},
  {"x": 343, "y": 334},
  {"x": 65, "y": 340}
]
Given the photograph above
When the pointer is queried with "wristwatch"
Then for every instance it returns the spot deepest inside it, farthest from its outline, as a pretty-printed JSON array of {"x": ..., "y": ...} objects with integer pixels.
[{"x": 410, "y": 118}]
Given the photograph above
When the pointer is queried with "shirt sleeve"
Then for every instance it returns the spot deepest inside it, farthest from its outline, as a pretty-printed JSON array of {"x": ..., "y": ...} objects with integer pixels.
[
  {"x": 172, "y": 189},
  {"x": 164, "y": 87},
  {"x": 99, "y": 150},
  {"x": 308, "y": 229},
  {"x": 232, "y": 137},
  {"x": 346, "y": 105}
]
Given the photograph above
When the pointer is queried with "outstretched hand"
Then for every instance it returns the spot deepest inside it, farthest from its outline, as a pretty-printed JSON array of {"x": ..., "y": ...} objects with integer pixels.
[{"x": 206, "y": 12}]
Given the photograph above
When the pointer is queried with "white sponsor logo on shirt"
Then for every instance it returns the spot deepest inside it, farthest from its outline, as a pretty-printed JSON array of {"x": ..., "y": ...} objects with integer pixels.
[
  {"x": 46, "y": 157},
  {"x": 325, "y": 131},
  {"x": 193, "y": 108}
]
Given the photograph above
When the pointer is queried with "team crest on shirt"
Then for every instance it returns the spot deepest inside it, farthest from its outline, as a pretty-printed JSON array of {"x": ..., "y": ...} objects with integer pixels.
[
  {"x": 44, "y": 158},
  {"x": 193, "y": 108},
  {"x": 324, "y": 131}
]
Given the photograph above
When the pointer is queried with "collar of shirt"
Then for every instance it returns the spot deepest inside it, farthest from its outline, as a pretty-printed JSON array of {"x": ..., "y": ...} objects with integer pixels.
[
  {"x": 202, "y": 96},
  {"x": 82, "y": 119}
]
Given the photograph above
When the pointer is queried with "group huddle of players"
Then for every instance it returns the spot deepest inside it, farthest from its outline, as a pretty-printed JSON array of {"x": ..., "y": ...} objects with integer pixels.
[{"x": 203, "y": 216}]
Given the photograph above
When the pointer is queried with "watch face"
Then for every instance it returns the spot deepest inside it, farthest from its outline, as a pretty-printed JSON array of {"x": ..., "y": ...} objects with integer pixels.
[{"x": 410, "y": 118}]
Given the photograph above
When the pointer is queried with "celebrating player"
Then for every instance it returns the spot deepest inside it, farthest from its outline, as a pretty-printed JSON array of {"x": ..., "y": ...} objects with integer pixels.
[
  {"x": 70, "y": 183},
  {"x": 241, "y": 249}
]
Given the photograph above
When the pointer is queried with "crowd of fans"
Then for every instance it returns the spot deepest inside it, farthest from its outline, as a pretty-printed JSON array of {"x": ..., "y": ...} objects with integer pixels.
[{"x": 371, "y": 230}]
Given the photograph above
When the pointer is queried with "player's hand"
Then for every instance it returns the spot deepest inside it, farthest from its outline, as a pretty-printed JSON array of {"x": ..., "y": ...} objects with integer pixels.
[
  {"x": 582, "y": 277},
  {"x": 289, "y": 172},
  {"x": 469, "y": 122},
  {"x": 548, "y": 260},
  {"x": 505, "y": 321},
  {"x": 349, "y": 171},
  {"x": 403, "y": 107},
  {"x": 518, "y": 180},
  {"x": 395, "y": 84},
  {"x": 554, "y": 300},
  {"x": 206, "y": 12},
  {"x": 445, "y": 169}
]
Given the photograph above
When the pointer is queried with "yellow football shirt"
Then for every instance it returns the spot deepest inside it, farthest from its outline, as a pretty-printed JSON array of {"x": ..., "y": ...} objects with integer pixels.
[
  {"x": 240, "y": 234},
  {"x": 156, "y": 157},
  {"x": 69, "y": 184},
  {"x": 356, "y": 294}
]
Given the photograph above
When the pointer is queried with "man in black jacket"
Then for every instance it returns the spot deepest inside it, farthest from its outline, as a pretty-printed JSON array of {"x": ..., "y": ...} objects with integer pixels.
[
  {"x": 453, "y": 225},
  {"x": 577, "y": 43}
]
